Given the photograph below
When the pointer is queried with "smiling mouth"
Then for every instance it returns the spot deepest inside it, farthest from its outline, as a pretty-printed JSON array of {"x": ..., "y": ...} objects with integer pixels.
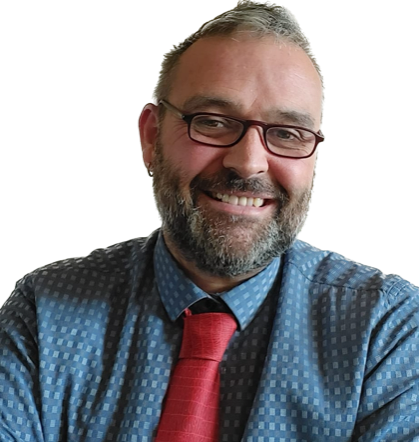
[{"x": 238, "y": 200}]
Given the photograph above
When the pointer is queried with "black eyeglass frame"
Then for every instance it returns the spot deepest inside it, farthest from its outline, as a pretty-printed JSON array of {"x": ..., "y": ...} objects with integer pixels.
[{"x": 187, "y": 118}]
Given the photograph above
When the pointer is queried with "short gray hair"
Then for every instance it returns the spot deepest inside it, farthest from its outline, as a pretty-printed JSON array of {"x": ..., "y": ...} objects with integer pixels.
[{"x": 261, "y": 19}]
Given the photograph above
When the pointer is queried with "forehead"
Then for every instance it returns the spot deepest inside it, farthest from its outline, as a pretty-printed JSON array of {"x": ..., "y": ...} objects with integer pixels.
[{"x": 255, "y": 78}]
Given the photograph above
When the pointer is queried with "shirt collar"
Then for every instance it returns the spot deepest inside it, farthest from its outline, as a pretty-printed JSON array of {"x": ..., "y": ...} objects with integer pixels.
[{"x": 178, "y": 292}]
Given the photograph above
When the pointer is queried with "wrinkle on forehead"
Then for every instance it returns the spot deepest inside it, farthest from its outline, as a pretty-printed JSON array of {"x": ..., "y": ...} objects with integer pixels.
[
  {"x": 252, "y": 79},
  {"x": 233, "y": 108}
]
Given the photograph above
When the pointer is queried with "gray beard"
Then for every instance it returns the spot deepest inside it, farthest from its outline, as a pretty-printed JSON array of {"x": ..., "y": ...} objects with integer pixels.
[{"x": 225, "y": 245}]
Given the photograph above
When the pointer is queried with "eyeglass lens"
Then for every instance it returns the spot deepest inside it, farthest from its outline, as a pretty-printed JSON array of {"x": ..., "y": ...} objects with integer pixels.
[{"x": 223, "y": 131}]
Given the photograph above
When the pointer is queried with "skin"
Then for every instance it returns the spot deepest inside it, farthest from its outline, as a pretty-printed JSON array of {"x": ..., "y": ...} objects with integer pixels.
[{"x": 248, "y": 78}]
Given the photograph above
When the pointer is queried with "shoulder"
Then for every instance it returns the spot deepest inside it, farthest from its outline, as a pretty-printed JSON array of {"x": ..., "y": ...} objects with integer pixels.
[
  {"x": 103, "y": 268},
  {"x": 358, "y": 302},
  {"x": 334, "y": 270}
]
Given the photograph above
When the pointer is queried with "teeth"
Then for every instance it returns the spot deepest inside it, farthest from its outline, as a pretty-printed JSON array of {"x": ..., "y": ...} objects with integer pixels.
[{"x": 239, "y": 201}]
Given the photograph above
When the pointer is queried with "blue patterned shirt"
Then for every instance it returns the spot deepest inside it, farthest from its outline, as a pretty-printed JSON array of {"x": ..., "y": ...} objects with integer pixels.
[{"x": 326, "y": 349}]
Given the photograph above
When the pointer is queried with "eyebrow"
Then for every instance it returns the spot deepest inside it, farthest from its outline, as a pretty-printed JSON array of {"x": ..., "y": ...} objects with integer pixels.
[
  {"x": 199, "y": 101},
  {"x": 293, "y": 117},
  {"x": 280, "y": 116}
]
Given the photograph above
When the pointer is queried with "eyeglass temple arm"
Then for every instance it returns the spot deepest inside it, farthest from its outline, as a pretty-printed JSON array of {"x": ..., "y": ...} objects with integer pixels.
[{"x": 171, "y": 108}]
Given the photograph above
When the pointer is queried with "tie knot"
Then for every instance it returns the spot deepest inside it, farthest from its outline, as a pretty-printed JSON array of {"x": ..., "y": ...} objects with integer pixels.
[{"x": 206, "y": 335}]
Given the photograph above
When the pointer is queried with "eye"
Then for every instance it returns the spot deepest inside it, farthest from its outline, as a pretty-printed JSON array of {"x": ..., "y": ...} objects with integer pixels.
[
  {"x": 215, "y": 130},
  {"x": 281, "y": 139},
  {"x": 210, "y": 122},
  {"x": 215, "y": 125},
  {"x": 284, "y": 134}
]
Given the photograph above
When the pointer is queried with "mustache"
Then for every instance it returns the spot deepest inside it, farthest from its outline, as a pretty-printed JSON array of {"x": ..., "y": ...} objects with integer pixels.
[{"x": 229, "y": 180}]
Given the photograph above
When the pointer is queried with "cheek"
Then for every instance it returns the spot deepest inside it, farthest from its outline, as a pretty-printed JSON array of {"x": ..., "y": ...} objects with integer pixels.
[
  {"x": 190, "y": 159},
  {"x": 204, "y": 159},
  {"x": 294, "y": 175}
]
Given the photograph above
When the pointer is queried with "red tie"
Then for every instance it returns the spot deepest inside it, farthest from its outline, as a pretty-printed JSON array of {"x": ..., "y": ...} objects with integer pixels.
[{"x": 190, "y": 412}]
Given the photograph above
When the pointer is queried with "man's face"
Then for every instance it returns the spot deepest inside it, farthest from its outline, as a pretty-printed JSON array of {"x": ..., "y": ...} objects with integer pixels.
[{"x": 204, "y": 194}]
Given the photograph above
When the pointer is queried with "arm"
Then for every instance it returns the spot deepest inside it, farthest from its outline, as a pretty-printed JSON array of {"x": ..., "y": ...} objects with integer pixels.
[
  {"x": 389, "y": 406},
  {"x": 20, "y": 401}
]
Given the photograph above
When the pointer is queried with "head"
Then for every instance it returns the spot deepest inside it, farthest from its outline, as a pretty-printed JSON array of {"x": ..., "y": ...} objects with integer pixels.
[
  {"x": 259, "y": 19},
  {"x": 228, "y": 211}
]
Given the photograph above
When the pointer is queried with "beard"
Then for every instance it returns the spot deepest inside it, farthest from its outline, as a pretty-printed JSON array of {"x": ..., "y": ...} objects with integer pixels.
[{"x": 222, "y": 244}]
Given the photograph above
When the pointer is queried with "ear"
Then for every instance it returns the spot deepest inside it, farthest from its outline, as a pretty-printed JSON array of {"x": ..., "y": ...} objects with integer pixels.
[{"x": 148, "y": 126}]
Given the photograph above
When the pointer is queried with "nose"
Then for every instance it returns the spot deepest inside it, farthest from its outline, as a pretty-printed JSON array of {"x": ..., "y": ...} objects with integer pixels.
[{"x": 248, "y": 157}]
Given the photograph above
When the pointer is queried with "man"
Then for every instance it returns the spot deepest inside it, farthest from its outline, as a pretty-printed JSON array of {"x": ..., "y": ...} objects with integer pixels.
[{"x": 325, "y": 349}]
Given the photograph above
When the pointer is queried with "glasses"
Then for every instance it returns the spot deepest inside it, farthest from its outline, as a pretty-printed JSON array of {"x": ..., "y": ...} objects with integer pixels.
[{"x": 218, "y": 130}]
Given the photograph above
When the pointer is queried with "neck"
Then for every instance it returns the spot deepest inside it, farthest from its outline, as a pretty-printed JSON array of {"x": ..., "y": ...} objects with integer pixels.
[{"x": 206, "y": 281}]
